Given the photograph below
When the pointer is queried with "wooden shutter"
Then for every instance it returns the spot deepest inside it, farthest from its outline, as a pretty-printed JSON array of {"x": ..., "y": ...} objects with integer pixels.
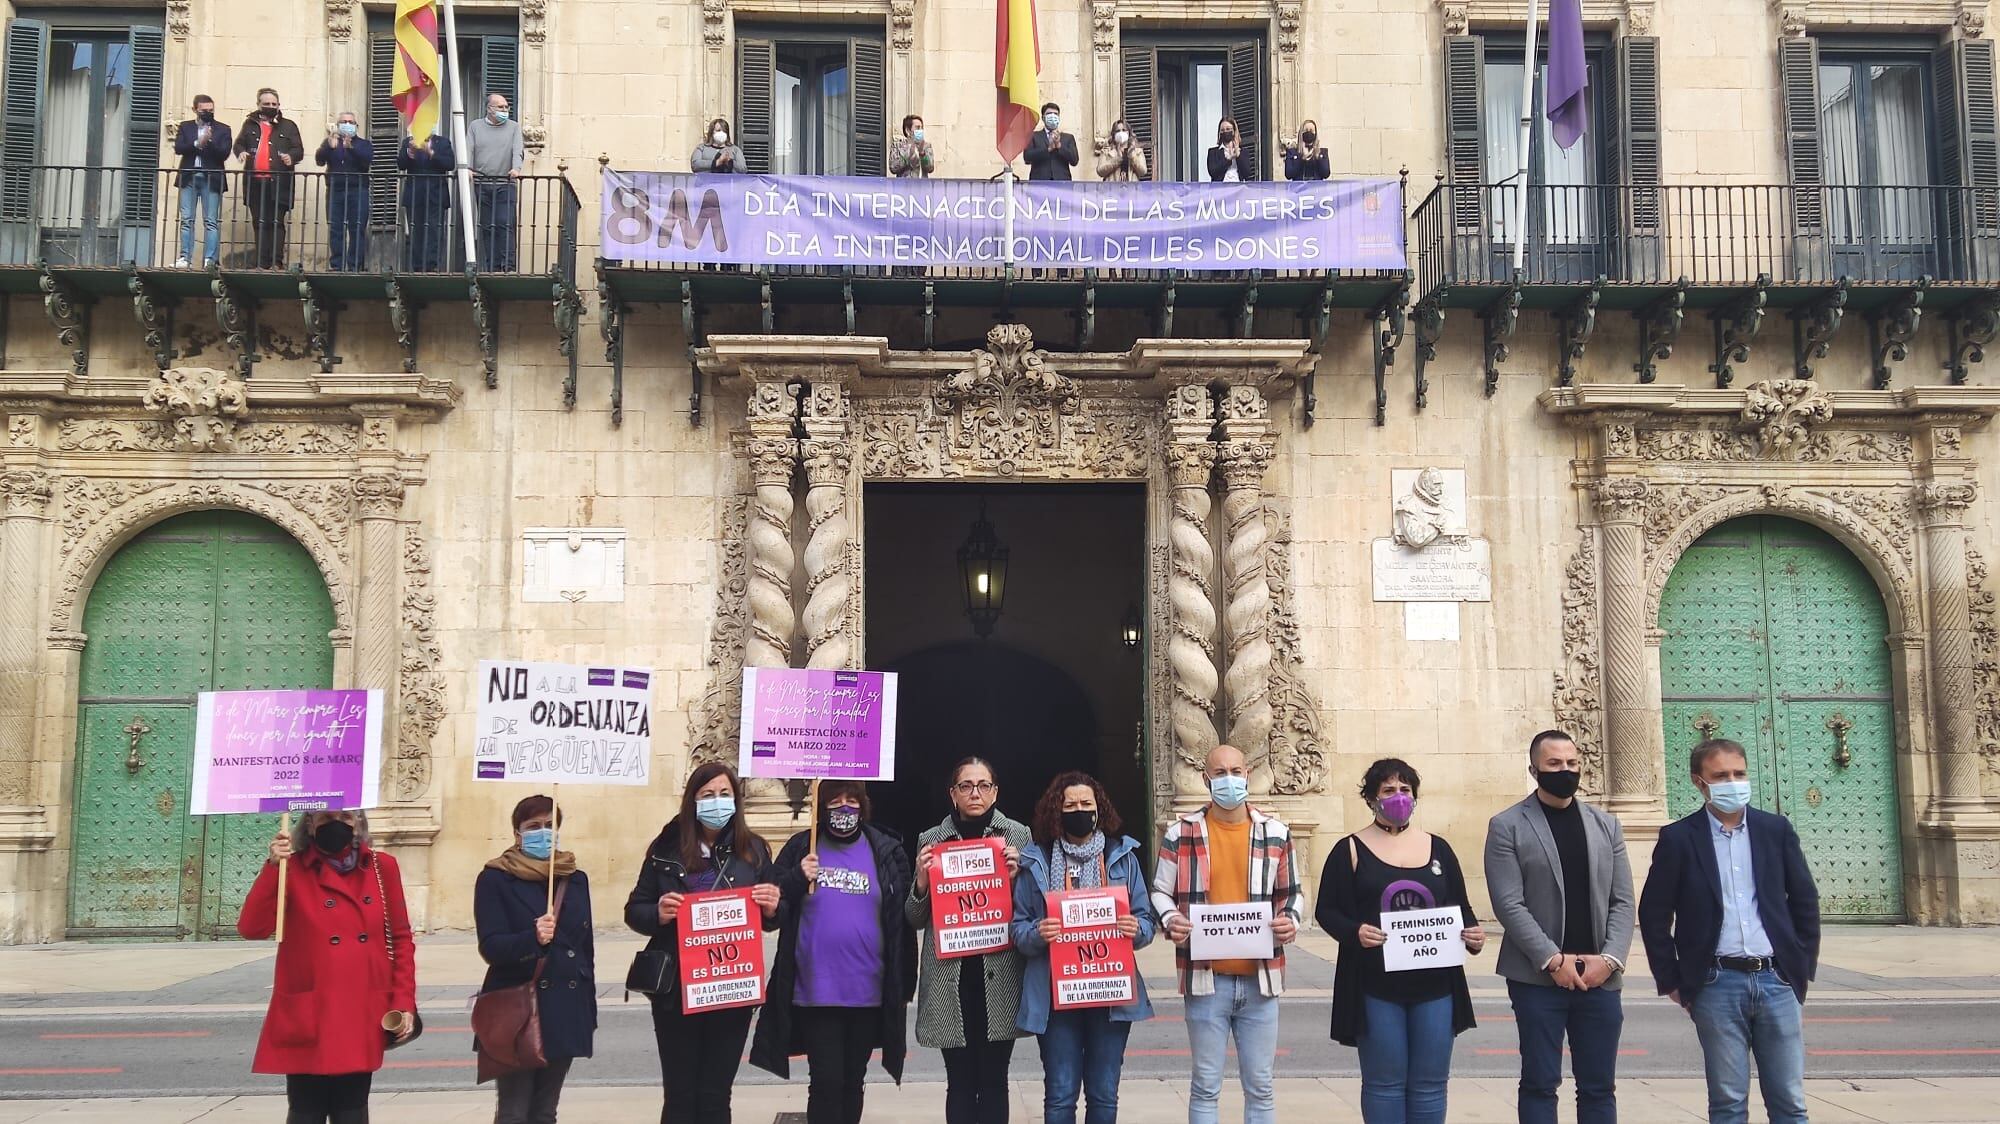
[
  {"x": 1464, "y": 128},
  {"x": 21, "y": 122},
  {"x": 1798, "y": 72},
  {"x": 1968, "y": 136},
  {"x": 1139, "y": 83},
  {"x": 867, "y": 82},
  {"x": 756, "y": 67},
  {"x": 1244, "y": 80},
  {"x": 1639, "y": 130},
  {"x": 385, "y": 129},
  {"x": 500, "y": 69},
  {"x": 142, "y": 137}
]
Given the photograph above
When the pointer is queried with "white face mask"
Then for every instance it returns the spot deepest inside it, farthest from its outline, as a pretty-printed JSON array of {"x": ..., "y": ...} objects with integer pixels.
[
  {"x": 1120, "y": 137},
  {"x": 719, "y": 137}
]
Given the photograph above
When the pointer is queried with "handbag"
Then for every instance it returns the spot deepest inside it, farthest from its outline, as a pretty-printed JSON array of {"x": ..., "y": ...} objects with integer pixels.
[
  {"x": 507, "y": 1021},
  {"x": 654, "y": 971},
  {"x": 394, "y": 1021}
]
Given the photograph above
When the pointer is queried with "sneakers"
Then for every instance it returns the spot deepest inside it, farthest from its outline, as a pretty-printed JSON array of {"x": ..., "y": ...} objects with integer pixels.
[{"x": 180, "y": 263}]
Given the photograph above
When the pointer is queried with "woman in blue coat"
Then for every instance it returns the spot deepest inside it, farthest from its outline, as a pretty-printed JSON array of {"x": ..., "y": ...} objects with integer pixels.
[
  {"x": 1077, "y": 846},
  {"x": 510, "y": 903}
]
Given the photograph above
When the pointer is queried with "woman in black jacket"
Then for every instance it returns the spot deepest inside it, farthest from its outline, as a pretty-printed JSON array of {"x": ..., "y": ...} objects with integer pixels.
[
  {"x": 707, "y": 846},
  {"x": 1305, "y": 159},
  {"x": 1229, "y": 159},
  {"x": 840, "y": 986},
  {"x": 510, "y": 904}
]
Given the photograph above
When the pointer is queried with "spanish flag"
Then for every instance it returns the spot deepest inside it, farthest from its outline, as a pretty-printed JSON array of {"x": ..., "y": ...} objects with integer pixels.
[
  {"x": 1017, "y": 66},
  {"x": 415, "y": 87}
]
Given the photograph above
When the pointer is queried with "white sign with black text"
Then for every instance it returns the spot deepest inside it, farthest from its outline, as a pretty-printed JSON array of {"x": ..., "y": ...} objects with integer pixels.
[
  {"x": 1230, "y": 932},
  {"x": 1423, "y": 938}
]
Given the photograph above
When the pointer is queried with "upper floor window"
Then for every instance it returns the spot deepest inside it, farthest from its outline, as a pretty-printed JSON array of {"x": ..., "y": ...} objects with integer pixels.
[
  {"x": 1565, "y": 207},
  {"x": 811, "y": 102},
  {"x": 1177, "y": 90},
  {"x": 489, "y": 61}
]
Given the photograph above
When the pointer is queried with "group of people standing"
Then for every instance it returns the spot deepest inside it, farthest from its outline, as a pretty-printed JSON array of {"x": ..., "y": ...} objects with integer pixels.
[{"x": 1729, "y": 917}]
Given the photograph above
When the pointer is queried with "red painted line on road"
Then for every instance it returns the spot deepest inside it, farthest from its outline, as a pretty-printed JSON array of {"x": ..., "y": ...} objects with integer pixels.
[
  {"x": 444, "y": 1063},
  {"x": 127, "y": 1034},
  {"x": 62, "y": 1071},
  {"x": 1499, "y": 1052},
  {"x": 1948, "y": 1053}
]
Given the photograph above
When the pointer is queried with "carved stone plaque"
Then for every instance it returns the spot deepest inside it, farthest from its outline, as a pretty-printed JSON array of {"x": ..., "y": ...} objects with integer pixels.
[
  {"x": 1447, "y": 570},
  {"x": 573, "y": 564}
]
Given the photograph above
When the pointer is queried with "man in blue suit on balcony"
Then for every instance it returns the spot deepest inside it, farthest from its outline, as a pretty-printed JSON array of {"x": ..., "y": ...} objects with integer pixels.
[
  {"x": 345, "y": 154},
  {"x": 203, "y": 146}
]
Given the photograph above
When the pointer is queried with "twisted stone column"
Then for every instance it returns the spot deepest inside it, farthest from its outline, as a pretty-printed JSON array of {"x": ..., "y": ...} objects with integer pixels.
[
  {"x": 378, "y": 496},
  {"x": 1953, "y": 665},
  {"x": 1632, "y": 734},
  {"x": 1246, "y": 452},
  {"x": 773, "y": 454},
  {"x": 1191, "y": 601},
  {"x": 828, "y": 456},
  {"x": 25, "y": 493}
]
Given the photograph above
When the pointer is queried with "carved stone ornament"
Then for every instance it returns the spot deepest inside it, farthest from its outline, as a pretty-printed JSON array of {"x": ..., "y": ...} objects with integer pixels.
[
  {"x": 534, "y": 22},
  {"x": 1578, "y": 700},
  {"x": 714, "y": 722},
  {"x": 1972, "y": 18},
  {"x": 902, "y": 25},
  {"x": 1298, "y": 751},
  {"x": 420, "y": 702},
  {"x": 179, "y": 18},
  {"x": 1986, "y": 669},
  {"x": 339, "y": 20},
  {"x": 1289, "y": 18},
  {"x": 1457, "y": 19},
  {"x": 1008, "y": 414},
  {"x": 1104, "y": 27},
  {"x": 204, "y": 405},
  {"x": 714, "y": 23},
  {"x": 27, "y": 490},
  {"x": 1783, "y": 411}
]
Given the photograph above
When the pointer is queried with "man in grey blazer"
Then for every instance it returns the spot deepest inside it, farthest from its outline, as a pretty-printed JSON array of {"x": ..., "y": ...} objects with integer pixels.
[{"x": 1562, "y": 888}]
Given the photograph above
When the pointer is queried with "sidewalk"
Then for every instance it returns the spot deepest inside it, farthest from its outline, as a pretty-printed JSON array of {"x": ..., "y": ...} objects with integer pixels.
[{"x": 1300, "y": 1101}]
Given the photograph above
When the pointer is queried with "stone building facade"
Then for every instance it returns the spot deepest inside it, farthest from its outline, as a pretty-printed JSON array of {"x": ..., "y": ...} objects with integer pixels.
[{"x": 1688, "y": 438}]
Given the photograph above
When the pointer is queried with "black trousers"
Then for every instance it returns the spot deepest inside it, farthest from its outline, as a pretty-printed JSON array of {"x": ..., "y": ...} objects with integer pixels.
[
  {"x": 838, "y": 1041},
  {"x": 976, "y": 1082},
  {"x": 268, "y": 208},
  {"x": 316, "y": 1098},
  {"x": 529, "y": 1096},
  {"x": 699, "y": 1055}
]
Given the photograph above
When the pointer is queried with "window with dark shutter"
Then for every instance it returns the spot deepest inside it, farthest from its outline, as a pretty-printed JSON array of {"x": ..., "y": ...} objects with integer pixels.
[
  {"x": 1639, "y": 131},
  {"x": 812, "y": 102},
  {"x": 21, "y": 135},
  {"x": 1798, "y": 73},
  {"x": 385, "y": 130},
  {"x": 756, "y": 67},
  {"x": 1968, "y": 137},
  {"x": 1245, "y": 79},
  {"x": 499, "y": 73},
  {"x": 867, "y": 71},
  {"x": 1138, "y": 87},
  {"x": 1178, "y": 87},
  {"x": 1465, "y": 150}
]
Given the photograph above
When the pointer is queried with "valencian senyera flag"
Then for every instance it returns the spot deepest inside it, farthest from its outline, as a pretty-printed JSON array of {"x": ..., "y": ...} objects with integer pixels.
[
  {"x": 415, "y": 86},
  {"x": 1017, "y": 66},
  {"x": 1568, "y": 76}
]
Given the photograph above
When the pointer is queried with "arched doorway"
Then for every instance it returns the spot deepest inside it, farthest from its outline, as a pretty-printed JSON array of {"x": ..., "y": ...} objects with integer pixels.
[
  {"x": 209, "y": 600},
  {"x": 1775, "y": 636}
]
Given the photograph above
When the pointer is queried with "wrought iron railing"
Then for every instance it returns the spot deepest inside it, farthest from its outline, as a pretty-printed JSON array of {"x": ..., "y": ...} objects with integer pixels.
[
  {"x": 1720, "y": 235},
  {"x": 318, "y": 221}
]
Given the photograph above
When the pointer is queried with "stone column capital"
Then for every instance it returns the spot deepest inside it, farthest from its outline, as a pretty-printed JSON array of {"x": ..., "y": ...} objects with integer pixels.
[
  {"x": 1943, "y": 502},
  {"x": 772, "y": 459},
  {"x": 1191, "y": 464},
  {"x": 1620, "y": 499},
  {"x": 379, "y": 495},
  {"x": 826, "y": 461},
  {"x": 1244, "y": 462},
  {"x": 27, "y": 490}
]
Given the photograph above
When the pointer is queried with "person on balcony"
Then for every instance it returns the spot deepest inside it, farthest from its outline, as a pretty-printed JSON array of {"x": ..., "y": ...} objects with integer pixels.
[
  {"x": 1304, "y": 158},
  {"x": 911, "y": 158},
  {"x": 1121, "y": 159},
  {"x": 203, "y": 146},
  {"x": 426, "y": 169},
  {"x": 1051, "y": 152},
  {"x": 498, "y": 152},
  {"x": 1227, "y": 160},
  {"x": 345, "y": 154},
  {"x": 718, "y": 154},
  {"x": 270, "y": 147}
]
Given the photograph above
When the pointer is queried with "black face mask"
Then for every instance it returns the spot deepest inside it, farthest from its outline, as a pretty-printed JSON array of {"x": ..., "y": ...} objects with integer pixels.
[
  {"x": 1559, "y": 783},
  {"x": 268, "y": 112},
  {"x": 975, "y": 827},
  {"x": 334, "y": 837},
  {"x": 841, "y": 823},
  {"x": 205, "y": 116},
  {"x": 1076, "y": 825},
  {"x": 1308, "y": 136}
]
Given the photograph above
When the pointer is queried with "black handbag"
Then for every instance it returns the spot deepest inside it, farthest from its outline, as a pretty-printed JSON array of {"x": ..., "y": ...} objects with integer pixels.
[
  {"x": 416, "y": 1020},
  {"x": 654, "y": 971}
]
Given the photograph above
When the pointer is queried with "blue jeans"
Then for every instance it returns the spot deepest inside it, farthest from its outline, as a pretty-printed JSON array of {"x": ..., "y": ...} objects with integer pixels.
[
  {"x": 207, "y": 192},
  {"x": 496, "y": 224},
  {"x": 347, "y": 228},
  {"x": 1405, "y": 1061},
  {"x": 1736, "y": 1015},
  {"x": 1082, "y": 1050},
  {"x": 1593, "y": 1020},
  {"x": 1236, "y": 1007}
]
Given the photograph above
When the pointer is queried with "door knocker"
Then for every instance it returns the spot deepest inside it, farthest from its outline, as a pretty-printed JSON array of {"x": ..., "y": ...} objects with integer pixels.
[
  {"x": 1705, "y": 725},
  {"x": 134, "y": 730},
  {"x": 1840, "y": 725}
]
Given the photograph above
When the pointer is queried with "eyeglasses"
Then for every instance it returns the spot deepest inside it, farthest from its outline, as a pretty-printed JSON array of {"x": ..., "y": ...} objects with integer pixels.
[{"x": 975, "y": 788}]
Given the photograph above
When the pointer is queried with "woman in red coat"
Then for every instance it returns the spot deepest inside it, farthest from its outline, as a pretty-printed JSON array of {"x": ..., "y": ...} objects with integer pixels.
[{"x": 346, "y": 962}]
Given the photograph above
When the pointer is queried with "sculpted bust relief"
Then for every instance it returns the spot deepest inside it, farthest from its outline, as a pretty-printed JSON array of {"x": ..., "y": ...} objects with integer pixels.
[{"x": 1420, "y": 517}]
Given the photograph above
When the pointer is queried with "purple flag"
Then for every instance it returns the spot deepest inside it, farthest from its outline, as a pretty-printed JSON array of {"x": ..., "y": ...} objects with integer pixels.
[{"x": 1567, "y": 78}]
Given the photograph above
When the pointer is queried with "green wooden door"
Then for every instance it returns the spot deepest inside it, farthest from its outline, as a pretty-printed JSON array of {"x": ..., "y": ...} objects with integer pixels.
[
  {"x": 210, "y": 600},
  {"x": 1775, "y": 636}
]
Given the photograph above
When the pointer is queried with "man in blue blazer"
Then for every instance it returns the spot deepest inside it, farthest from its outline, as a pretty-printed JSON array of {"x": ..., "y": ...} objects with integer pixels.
[
  {"x": 1730, "y": 919},
  {"x": 202, "y": 143}
]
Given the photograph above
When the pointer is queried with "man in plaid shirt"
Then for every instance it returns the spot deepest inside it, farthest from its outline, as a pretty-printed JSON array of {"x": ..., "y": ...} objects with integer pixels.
[{"x": 1229, "y": 853}]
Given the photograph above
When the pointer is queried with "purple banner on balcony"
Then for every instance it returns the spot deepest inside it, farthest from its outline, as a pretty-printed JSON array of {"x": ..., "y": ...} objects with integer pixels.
[{"x": 824, "y": 221}]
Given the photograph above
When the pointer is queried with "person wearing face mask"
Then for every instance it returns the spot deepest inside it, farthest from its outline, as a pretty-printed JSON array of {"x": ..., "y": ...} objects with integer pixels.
[
  {"x": 497, "y": 154},
  {"x": 717, "y": 153},
  {"x": 1562, "y": 891},
  {"x": 1121, "y": 159},
  {"x": 966, "y": 1005},
  {"x": 846, "y": 964},
  {"x": 1304, "y": 158},
  {"x": 1229, "y": 853},
  {"x": 346, "y": 921},
  {"x": 1402, "y": 1023},
  {"x": 1230, "y": 159},
  {"x": 270, "y": 148},
  {"x": 1730, "y": 918},
  {"x": 706, "y": 846},
  {"x": 520, "y": 940},
  {"x": 911, "y": 158},
  {"x": 427, "y": 192},
  {"x": 345, "y": 154},
  {"x": 203, "y": 146},
  {"x": 1051, "y": 152},
  {"x": 1077, "y": 846}
]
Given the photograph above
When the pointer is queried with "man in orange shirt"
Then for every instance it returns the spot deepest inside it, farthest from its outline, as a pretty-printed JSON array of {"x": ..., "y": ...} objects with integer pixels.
[{"x": 271, "y": 148}]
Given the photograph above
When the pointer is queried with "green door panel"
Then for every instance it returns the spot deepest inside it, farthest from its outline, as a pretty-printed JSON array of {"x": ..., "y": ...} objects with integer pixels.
[
  {"x": 209, "y": 600},
  {"x": 1775, "y": 636}
]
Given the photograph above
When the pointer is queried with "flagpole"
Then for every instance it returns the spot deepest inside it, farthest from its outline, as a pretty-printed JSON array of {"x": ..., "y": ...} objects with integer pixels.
[
  {"x": 1526, "y": 174},
  {"x": 458, "y": 139},
  {"x": 1007, "y": 223}
]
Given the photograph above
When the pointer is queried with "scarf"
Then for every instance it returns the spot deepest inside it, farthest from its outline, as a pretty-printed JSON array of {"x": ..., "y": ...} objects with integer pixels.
[
  {"x": 1079, "y": 861},
  {"x": 516, "y": 862},
  {"x": 975, "y": 828},
  {"x": 345, "y": 862}
]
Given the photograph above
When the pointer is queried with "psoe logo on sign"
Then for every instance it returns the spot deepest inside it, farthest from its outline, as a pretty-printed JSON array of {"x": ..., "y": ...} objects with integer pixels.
[
  {"x": 732, "y": 914},
  {"x": 971, "y": 862},
  {"x": 1085, "y": 913}
]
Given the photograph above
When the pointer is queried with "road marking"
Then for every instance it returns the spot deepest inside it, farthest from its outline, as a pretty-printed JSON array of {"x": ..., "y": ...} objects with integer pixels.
[
  {"x": 1945, "y": 1053},
  {"x": 62, "y": 1071},
  {"x": 441, "y": 1063},
  {"x": 1499, "y": 1052},
  {"x": 127, "y": 1034},
  {"x": 1849, "y": 1019}
]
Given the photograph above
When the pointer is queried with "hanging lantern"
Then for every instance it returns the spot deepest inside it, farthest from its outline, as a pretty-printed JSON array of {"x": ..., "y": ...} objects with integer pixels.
[
  {"x": 982, "y": 569},
  {"x": 1132, "y": 629}
]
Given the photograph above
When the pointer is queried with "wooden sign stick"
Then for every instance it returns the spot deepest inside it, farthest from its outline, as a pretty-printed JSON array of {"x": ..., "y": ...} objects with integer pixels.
[
  {"x": 555, "y": 833},
  {"x": 284, "y": 825},
  {"x": 812, "y": 847}
]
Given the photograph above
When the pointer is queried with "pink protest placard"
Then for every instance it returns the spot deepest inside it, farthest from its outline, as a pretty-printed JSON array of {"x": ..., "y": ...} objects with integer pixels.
[
  {"x": 818, "y": 724},
  {"x": 286, "y": 751}
]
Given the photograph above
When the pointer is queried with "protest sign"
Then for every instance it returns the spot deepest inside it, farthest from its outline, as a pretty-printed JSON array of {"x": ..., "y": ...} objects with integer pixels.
[
  {"x": 563, "y": 723},
  {"x": 972, "y": 898},
  {"x": 1423, "y": 938},
  {"x": 722, "y": 951},
  {"x": 818, "y": 724},
  {"x": 1091, "y": 963},
  {"x": 286, "y": 751},
  {"x": 1230, "y": 932}
]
